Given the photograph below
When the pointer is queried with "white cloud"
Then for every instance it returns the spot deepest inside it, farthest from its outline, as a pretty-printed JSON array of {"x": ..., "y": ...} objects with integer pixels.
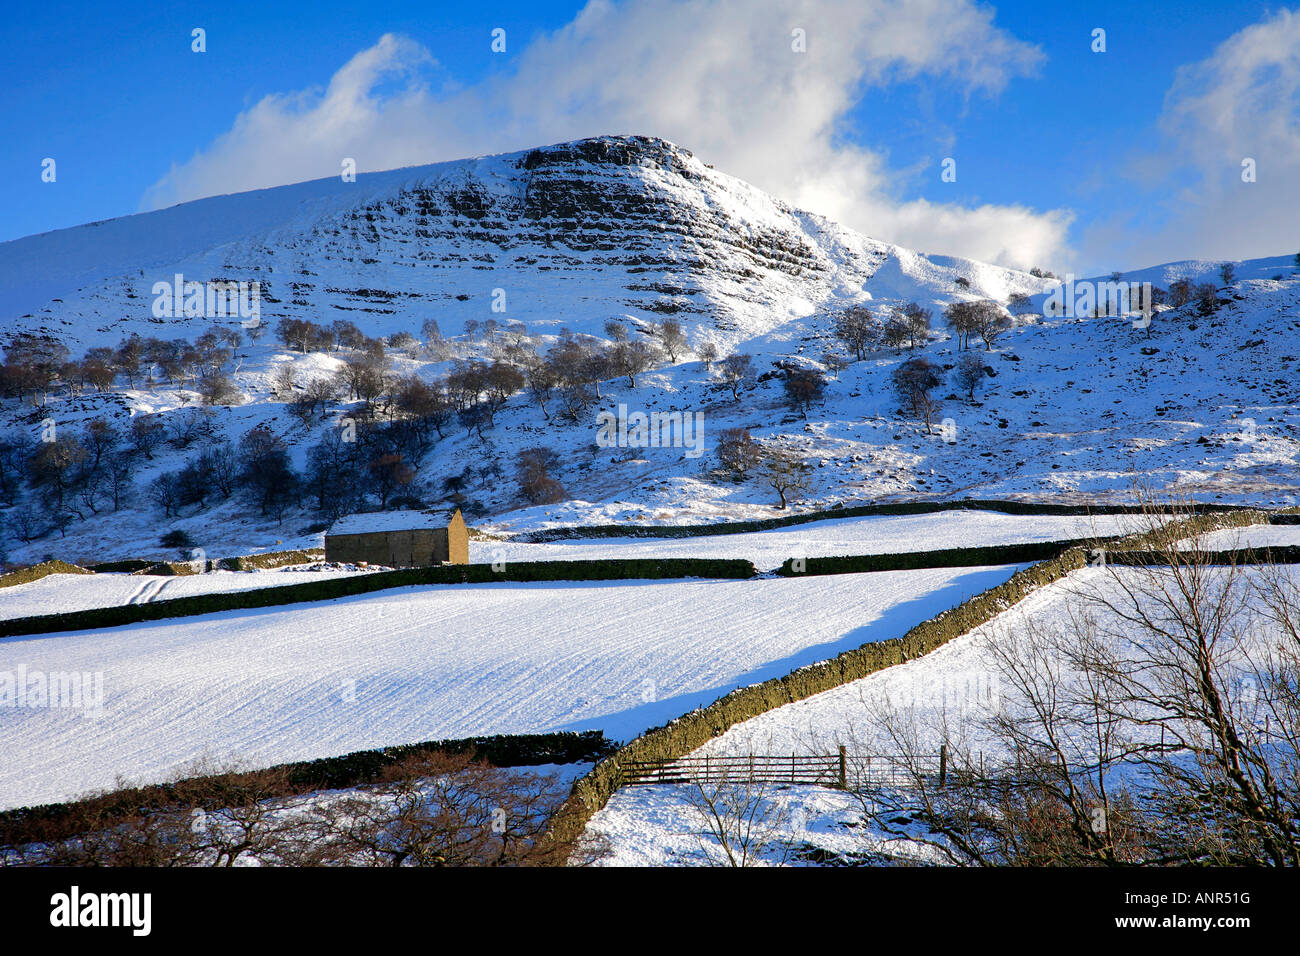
[
  {"x": 287, "y": 138},
  {"x": 1243, "y": 101},
  {"x": 716, "y": 76}
]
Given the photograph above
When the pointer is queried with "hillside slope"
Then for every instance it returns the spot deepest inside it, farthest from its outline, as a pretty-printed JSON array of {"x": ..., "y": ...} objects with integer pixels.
[
  {"x": 574, "y": 233},
  {"x": 638, "y": 230}
]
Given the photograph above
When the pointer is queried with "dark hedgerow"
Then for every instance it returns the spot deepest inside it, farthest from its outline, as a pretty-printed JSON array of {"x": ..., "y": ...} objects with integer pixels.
[
  {"x": 120, "y": 567},
  {"x": 916, "y": 560}
]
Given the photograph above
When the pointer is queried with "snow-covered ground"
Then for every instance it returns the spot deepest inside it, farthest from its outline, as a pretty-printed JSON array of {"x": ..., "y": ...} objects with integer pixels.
[
  {"x": 959, "y": 677},
  {"x": 872, "y": 535},
  {"x": 1252, "y": 536},
  {"x": 263, "y": 686},
  {"x": 57, "y": 593},
  {"x": 766, "y": 549},
  {"x": 957, "y": 682},
  {"x": 665, "y": 826}
]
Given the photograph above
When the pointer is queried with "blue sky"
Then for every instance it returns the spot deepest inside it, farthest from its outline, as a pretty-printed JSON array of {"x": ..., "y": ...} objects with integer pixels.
[{"x": 1066, "y": 158}]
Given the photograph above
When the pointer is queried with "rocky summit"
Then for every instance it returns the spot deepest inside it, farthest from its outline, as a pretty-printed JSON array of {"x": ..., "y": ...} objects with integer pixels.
[{"x": 571, "y": 234}]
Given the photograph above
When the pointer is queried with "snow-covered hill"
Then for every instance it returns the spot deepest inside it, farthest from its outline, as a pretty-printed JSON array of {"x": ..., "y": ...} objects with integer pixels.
[
  {"x": 636, "y": 229},
  {"x": 574, "y": 234}
]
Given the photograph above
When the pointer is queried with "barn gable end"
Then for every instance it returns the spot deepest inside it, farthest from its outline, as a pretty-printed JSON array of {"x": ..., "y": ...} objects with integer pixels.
[{"x": 457, "y": 540}]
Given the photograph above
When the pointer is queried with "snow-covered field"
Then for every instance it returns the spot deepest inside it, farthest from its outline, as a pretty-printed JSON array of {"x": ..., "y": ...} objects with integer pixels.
[
  {"x": 1252, "y": 536},
  {"x": 958, "y": 677},
  {"x": 884, "y": 534},
  {"x": 766, "y": 549},
  {"x": 58, "y": 593},
  {"x": 258, "y": 687},
  {"x": 958, "y": 682}
]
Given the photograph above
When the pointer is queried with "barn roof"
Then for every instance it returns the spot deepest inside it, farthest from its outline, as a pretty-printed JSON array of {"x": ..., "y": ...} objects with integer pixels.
[{"x": 379, "y": 521}]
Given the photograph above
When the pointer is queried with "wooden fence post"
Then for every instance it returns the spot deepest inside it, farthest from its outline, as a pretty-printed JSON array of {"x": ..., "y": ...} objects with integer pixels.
[{"x": 844, "y": 769}]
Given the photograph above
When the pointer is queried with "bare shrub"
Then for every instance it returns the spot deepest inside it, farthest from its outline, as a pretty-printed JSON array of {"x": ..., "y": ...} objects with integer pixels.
[
  {"x": 740, "y": 823},
  {"x": 533, "y": 467},
  {"x": 445, "y": 810},
  {"x": 736, "y": 369}
]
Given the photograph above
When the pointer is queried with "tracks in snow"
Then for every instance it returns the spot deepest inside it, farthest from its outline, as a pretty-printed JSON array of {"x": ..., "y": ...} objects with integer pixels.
[{"x": 148, "y": 592}]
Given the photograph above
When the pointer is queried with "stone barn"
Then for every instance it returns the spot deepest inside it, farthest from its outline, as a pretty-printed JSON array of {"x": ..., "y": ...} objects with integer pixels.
[{"x": 399, "y": 539}]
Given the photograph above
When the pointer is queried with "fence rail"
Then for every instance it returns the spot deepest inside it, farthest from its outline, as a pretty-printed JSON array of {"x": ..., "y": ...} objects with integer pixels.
[{"x": 843, "y": 770}]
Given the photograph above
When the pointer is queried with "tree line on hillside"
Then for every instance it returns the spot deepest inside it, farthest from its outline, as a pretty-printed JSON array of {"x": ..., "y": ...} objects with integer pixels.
[
  {"x": 373, "y": 454},
  {"x": 369, "y": 457},
  {"x": 35, "y": 366}
]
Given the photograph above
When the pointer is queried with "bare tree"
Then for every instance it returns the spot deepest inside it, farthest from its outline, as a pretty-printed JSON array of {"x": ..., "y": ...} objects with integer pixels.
[
  {"x": 283, "y": 380},
  {"x": 915, "y": 381},
  {"x": 803, "y": 387},
  {"x": 738, "y": 453},
  {"x": 147, "y": 433},
  {"x": 856, "y": 328},
  {"x": 1157, "y": 723},
  {"x": 631, "y": 358},
  {"x": 542, "y": 379},
  {"x": 533, "y": 467},
  {"x": 960, "y": 318},
  {"x": 1181, "y": 292},
  {"x": 917, "y": 320},
  {"x": 446, "y": 810},
  {"x": 969, "y": 374},
  {"x": 896, "y": 333},
  {"x": 431, "y": 809},
  {"x": 989, "y": 320},
  {"x": 218, "y": 389},
  {"x": 671, "y": 338},
  {"x": 364, "y": 376},
  {"x": 736, "y": 369},
  {"x": 835, "y": 363},
  {"x": 784, "y": 472},
  {"x": 1207, "y": 298}
]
